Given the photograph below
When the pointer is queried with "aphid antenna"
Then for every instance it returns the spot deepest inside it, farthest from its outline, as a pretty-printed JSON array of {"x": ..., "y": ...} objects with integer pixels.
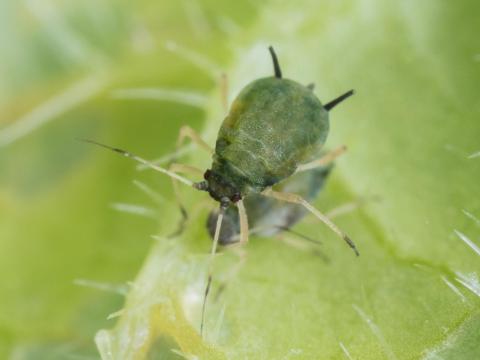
[
  {"x": 142, "y": 161},
  {"x": 276, "y": 65},
  {"x": 338, "y": 100}
]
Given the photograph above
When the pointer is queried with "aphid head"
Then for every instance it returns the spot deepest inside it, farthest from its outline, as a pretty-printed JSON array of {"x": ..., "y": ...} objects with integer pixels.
[{"x": 219, "y": 189}]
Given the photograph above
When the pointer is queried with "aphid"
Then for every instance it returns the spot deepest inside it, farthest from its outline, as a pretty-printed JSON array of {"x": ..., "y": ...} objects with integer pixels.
[{"x": 275, "y": 128}]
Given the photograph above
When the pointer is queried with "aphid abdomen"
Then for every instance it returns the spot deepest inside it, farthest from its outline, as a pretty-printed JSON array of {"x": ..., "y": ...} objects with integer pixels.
[{"x": 273, "y": 126}]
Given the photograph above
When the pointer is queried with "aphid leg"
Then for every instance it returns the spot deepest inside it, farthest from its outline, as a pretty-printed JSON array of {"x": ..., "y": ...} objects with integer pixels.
[
  {"x": 210, "y": 265},
  {"x": 185, "y": 169},
  {"x": 224, "y": 91},
  {"x": 296, "y": 199},
  {"x": 242, "y": 214},
  {"x": 324, "y": 160},
  {"x": 144, "y": 162}
]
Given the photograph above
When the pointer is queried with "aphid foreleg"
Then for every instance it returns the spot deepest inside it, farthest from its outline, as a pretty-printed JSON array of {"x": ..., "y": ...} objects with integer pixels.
[
  {"x": 242, "y": 214},
  {"x": 324, "y": 160},
  {"x": 296, "y": 199}
]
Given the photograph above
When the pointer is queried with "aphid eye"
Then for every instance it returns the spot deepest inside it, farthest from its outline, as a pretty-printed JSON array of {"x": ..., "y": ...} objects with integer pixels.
[
  {"x": 236, "y": 197},
  {"x": 207, "y": 174}
]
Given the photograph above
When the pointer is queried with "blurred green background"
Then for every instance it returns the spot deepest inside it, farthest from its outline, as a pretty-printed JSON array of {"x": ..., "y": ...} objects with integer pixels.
[{"x": 67, "y": 71}]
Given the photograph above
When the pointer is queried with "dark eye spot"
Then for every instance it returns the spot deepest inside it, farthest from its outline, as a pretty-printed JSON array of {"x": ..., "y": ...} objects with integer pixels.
[
  {"x": 207, "y": 174},
  {"x": 236, "y": 197}
]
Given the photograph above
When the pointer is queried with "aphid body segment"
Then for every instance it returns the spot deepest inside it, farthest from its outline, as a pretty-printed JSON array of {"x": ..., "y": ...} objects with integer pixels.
[{"x": 267, "y": 216}]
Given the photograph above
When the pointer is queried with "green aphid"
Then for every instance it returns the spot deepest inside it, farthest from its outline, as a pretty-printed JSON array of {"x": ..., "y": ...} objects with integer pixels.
[
  {"x": 266, "y": 216},
  {"x": 275, "y": 128},
  {"x": 274, "y": 125}
]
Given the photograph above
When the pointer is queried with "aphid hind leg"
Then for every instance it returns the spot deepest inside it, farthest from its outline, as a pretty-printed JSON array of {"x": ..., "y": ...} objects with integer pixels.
[
  {"x": 324, "y": 160},
  {"x": 296, "y": 199}
]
